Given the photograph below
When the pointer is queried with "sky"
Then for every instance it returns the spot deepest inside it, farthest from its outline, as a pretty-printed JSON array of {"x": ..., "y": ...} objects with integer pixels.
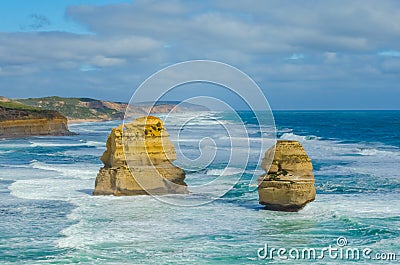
[{"x": 305, "y": 54}]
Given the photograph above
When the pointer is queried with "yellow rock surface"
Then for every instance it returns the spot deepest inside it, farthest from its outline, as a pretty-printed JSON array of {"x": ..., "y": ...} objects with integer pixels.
[
  {"x": 288, "y": 184},
  {"x": 17, "y": 120},
  {"x": 138, "y": 160},
  {"x": 31, "y": 127}
]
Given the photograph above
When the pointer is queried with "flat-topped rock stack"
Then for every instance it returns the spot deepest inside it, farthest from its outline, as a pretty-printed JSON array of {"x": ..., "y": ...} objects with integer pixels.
[
  {"x": 288, "y": 184},
  {"x": 138, "y": 161}
]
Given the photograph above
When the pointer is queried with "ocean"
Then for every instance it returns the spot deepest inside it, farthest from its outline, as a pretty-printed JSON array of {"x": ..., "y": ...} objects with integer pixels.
[{"x": 48, "y": 215}]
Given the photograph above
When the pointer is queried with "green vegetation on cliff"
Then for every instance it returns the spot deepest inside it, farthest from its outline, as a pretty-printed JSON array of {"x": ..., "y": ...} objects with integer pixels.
[
  {"x": 78, "y": 108},
  {"x": 93, "y": 109},
  {"x": 19, "y": 120},
  {"x": 16, "y": 106},
  {"x": 11, "y": 112}
]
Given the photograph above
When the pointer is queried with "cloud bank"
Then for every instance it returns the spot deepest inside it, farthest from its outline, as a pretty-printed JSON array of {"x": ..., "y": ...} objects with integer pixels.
[{"x": 303, "y": 54}]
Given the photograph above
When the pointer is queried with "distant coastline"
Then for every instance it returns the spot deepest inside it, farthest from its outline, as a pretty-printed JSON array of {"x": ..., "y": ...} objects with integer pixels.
[
  {"x": 19, "y": 120},
  {"x": 51, "y": 115},
  {"x": 79, "y": 110}
]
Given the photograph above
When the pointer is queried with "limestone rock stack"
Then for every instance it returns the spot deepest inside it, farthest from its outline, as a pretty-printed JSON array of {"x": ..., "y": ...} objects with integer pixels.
[
  {"x": 138, "y": 160},
  {"x": 288, "y": 184}
]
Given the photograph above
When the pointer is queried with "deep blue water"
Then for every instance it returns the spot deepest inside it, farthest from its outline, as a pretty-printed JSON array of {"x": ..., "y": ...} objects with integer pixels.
[
  {"x": 346, "y": 126},
  {"x": 48, "y": 215}
]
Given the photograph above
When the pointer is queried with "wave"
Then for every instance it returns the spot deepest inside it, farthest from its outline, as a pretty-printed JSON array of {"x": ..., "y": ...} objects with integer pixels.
[
  {"x": 6, "y": 152},
  {"x": 225, "y": 171},
  {"x": 80, "y": 171},
  {"x": 98, "y": 221},
  {"x": 83, "y": 143},
  {"x": 194, "y": 119},
  {"x": 336, "y": 158},
  {"x": 374, "y": 151},
  {"x": 285, "y": 130},
  {"x": 49, "y": 189},
  {"x": 367, "y": 152},
  {"x": 292, "y": 136},
  {"x": 80, "y": 130},
  {"x": 16, "y": 166},
  {"x": 13, "y": 144},
  {"x": 267, "y": 140}
]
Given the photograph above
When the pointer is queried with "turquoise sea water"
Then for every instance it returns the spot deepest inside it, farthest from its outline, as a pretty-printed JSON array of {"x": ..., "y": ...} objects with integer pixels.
[{"x": 47, "y": 215}]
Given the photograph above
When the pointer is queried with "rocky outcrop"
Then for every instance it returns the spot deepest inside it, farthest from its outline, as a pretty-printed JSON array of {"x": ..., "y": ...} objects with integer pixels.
[
  {"x": 138, "y": 160},
  {"x": 288, "y": 184},
  {"x": 19, "y": 122}
]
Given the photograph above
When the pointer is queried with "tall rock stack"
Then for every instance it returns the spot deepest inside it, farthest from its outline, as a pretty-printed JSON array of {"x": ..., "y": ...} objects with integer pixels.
[
  {"x": 288, "y": 184},
  {"x": 138, "y": 161}
]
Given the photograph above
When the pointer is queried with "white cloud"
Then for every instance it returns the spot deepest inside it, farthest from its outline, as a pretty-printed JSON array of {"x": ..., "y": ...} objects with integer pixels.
[
  {"x": 54, "y": 47},
  {"x": 342, "y": 40},
  {"x": 330, "y": 57},
  {"x": 107, "y": 61}
]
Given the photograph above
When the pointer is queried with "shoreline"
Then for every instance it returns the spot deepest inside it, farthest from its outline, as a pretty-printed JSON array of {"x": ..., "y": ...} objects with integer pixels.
[{"x": 78, "y": 121}]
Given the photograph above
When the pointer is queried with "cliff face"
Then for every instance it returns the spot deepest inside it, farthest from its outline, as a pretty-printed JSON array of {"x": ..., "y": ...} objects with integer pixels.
[
  {"x": 288, "y": 184},
  {"x": 144, "y": 146},
  {"x": 17, "y": 121}
]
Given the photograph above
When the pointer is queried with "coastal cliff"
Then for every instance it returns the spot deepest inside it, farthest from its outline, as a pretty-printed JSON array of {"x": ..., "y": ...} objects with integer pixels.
[
  {"x": 17, "y": 120},
  {"x": 138, "y": 161},
  {"x": 88, "y": 109},
  {"x": 288, "y": 184}
]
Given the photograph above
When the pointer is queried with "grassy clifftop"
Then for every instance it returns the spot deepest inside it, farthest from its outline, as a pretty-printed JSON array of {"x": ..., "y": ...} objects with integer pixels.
[
  {"x": 78, "y": 108},
  {"x": 16, "y": 106},
  {"x": 19, "y": 120},
  {"x": 10, "y": 110},
  {"x": 93, "y": 109}
]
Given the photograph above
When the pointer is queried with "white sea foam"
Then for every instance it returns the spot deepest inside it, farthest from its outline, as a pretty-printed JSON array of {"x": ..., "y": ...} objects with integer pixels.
[
  {"x": 50, "y": 189},
  {"x": 292, "y": 136},
  {"x": 14, "y": 145},
  {"x": 225, "y": 171},
  {"x": 332, "y": 147},
  {"x": 55, "y": 144},
  {"x": 79, "y": 153},
  {"x": 357, "y": 158},
  {"x": 189, "y": 119},
  {"x": 285, "y": 130},
  {"x": 130, "y": 226},
  {"x": 23, "y": 172},
  {"x": 109, "y": 220},
  {"x": 257, "y": 172},
  {"x": 76, "y": 170},
  {"x": 6, "y": 152},
  {"x": 244, "y": 139},
  {"x": 375, "y": 152}
]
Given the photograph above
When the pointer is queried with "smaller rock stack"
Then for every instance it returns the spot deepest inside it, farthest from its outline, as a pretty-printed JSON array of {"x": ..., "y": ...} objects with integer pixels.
[
  {"x": 138, "y": 160},
  {"x": 288, "y": 184}
]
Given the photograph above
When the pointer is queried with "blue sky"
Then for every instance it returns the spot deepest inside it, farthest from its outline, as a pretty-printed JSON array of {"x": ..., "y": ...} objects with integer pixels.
[{"x": 303, "y": 54}]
